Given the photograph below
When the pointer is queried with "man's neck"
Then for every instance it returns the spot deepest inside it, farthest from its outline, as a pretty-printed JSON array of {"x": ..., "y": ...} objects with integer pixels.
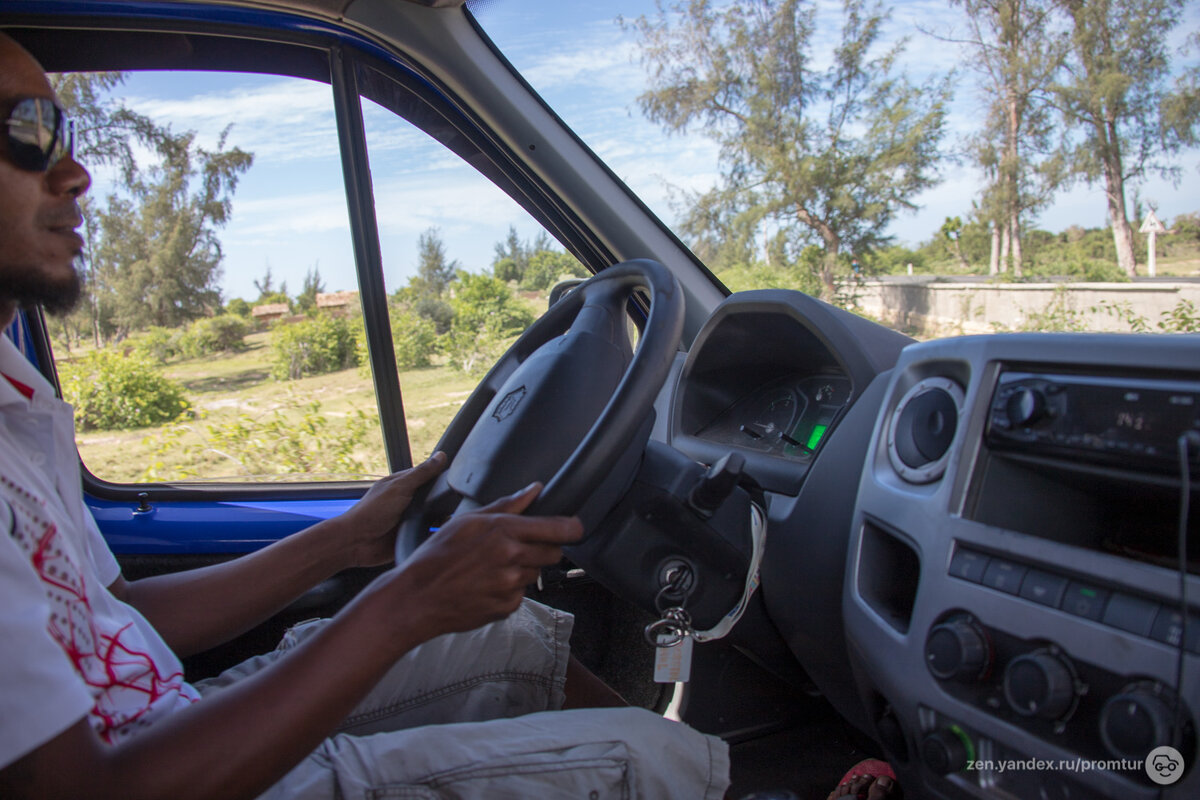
[{"x": 8, "y": 312}]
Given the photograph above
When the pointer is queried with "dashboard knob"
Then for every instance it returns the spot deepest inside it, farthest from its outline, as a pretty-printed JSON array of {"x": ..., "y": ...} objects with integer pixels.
[
  {"x": 1136, "y": 721},
  {"x": 1025, "y": 406},
  {"x": 945, "y": 751},
  {"x": 1039, "y": 684},
  {"x": 957, "y": 650}
]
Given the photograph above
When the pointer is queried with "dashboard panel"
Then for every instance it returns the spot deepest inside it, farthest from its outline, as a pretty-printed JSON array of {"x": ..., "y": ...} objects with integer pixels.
[
  {"x": 770, "y": 376},
  {"x": 788, "y": 417},
  {"x": 992, "y": 526},
  {"x": 1025, "y": 603}
]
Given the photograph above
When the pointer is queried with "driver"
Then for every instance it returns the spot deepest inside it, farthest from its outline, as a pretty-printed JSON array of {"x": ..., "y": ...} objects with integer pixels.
[{"x": 92, "y": 697}]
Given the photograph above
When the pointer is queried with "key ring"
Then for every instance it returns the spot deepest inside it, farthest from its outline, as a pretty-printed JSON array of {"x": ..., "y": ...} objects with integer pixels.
[{"x": 657, "y": 633}]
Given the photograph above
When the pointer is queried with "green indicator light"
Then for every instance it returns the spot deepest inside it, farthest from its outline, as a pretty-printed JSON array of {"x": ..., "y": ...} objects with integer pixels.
[
  {"x": 966, "y": 740},
  {"x": 815, "y": 438},
  {"x": 1087, "y": 592}
]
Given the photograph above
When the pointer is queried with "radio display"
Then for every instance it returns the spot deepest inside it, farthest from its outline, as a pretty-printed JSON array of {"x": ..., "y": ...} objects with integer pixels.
[
  {"x": 1150, "y": 417},
  {"x": 1110, "y": 419}
]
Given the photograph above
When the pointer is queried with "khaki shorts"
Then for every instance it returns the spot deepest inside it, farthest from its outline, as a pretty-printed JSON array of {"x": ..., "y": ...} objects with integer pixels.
[{"x": 475, "y": 715}]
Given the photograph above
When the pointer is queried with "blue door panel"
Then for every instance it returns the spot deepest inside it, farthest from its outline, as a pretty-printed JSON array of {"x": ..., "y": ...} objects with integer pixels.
[{"x": 184, "y": 528}]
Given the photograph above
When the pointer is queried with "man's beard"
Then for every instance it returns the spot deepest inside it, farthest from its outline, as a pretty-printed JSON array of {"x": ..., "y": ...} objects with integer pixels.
[{"x": 27, "y": 288}]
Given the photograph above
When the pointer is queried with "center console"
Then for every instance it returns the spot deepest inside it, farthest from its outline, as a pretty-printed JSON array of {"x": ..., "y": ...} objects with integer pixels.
[{"x": 1023, "y": 599}]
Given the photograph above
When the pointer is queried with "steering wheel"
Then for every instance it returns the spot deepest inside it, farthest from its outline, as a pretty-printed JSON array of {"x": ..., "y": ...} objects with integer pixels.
[{"x": 562, "y": 406}]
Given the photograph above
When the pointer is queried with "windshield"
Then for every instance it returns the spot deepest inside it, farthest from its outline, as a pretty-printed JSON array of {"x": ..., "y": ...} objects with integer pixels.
[{"x": 946, "y": 167}]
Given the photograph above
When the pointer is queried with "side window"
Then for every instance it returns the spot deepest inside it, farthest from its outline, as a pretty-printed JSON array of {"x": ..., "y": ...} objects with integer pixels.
[
  {"x": 467, "y": 269},
  {"x": 220, "y": 337}
]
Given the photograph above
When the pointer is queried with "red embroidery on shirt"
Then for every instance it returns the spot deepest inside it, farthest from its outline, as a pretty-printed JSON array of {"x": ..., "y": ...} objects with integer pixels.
[{"x": 125, "y": 681}]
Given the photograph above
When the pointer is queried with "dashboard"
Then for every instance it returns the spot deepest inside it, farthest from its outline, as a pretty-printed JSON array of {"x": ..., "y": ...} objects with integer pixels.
[
  {"x": 1015, "y": 594},
  {"x": 995, "y": 526}
]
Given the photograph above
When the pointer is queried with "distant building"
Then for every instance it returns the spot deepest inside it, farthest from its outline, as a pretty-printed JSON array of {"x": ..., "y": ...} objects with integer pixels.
[
  {"x": 269, "y": 312},
  {"x": 337, "y": 302}
]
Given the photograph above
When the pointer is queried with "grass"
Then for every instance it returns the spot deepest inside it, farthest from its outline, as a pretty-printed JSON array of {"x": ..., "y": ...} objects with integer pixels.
[
  {"x": 236, "y": 388},
  {"x": 238, "y": 405}
]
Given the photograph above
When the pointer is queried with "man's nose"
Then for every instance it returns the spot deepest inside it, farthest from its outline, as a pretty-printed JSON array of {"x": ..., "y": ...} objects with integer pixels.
[{"x": 69, "y": 177}]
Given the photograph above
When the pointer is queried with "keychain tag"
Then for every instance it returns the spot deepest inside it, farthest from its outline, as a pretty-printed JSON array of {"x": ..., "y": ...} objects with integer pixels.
[{"x": 673, "y": 664}]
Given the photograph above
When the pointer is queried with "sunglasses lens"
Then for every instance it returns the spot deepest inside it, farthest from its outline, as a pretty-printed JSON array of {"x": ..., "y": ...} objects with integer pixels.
[{"x": 39, "y": 134}]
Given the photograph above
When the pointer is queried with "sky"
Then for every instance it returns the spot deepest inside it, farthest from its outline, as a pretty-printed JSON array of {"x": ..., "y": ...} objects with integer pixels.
[{"x": 289, "y": 211}]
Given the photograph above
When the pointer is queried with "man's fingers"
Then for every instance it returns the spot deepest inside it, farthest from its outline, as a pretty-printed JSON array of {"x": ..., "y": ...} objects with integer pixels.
[
  {"x": 542, "y": 530},
  {"x": 514, "y": 503},
  {"x": 428, "y": 468}
]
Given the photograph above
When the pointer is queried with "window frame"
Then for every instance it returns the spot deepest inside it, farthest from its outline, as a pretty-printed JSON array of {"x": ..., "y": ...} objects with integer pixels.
[{"x": 349, "y": 57}]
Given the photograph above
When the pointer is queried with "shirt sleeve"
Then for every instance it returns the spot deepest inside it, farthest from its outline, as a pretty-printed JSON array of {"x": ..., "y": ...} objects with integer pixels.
[{"x": 41, "y": 695}]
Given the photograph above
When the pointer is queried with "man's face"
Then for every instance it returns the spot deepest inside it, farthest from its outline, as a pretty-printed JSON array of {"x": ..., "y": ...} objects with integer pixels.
[{"x": 39, "y": 211}]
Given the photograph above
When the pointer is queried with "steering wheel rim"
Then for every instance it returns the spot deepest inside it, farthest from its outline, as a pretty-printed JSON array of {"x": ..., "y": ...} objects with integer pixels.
[{"x": 543, "y": 373}]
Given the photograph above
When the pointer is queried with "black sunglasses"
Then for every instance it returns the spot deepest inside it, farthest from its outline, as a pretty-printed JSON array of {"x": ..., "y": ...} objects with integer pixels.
[{"x": 38, "y": 134}]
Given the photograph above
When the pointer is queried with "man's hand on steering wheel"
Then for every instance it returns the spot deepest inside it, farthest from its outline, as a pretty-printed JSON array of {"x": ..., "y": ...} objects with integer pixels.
[
  {"x": 474, "y": 569},
  {"x": 369, "y": 526}
]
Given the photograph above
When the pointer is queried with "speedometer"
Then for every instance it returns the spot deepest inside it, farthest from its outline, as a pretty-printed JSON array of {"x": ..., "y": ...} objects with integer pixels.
[
  {"x": 787, "y": 417},
  {"x": 776, "y": 413}
]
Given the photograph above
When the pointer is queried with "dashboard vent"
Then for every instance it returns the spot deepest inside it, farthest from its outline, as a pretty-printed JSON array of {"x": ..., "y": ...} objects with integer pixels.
[{"x": 922, "y": 429}]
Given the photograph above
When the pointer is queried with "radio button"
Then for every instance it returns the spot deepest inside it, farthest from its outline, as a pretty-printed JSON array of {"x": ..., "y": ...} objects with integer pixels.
[
  {"x": 1084, "y": 601},
  {"x": 1131, "y": 614},
  {"x": 1043, "y": 587},
  {"x": 968, "y": 565},
  {"x": 1169, "y": 630},
  {"x": 1026, "y": 406},
  {"x": 1004, "y": 575}
]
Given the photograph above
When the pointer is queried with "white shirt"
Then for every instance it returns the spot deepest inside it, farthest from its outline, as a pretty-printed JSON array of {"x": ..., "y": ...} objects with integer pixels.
[{"x": 68, "y": 647}]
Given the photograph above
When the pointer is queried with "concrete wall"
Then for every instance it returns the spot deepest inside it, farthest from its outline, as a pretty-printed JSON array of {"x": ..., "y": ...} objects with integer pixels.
[{"x": 927, "y": 306}]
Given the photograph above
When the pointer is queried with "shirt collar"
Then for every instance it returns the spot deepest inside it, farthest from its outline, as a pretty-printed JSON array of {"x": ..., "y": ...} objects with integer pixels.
[{"x": 29, "y": 383}]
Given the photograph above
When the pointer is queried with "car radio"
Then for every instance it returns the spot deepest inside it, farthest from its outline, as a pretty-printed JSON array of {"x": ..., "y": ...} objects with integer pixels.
[{"x": 1112, "y": 421}]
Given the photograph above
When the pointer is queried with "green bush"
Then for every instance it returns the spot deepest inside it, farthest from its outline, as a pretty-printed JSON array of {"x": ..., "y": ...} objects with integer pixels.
[
  {"x": 487, "y": 318},
  {"x": 156, "y": 343},
  {"x": 312, "y": 347},
  {"x": 547, "y": 267},
  {"x": 414, "y": 339},
  {"x": 223, "y": 334},
  {"x": 110, "y": 391},
  {"x": 239, "y": 307}
]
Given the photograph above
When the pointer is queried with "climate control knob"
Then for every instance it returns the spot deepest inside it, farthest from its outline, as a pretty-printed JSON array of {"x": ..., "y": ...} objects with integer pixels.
[
  {"x": 1136, "y": 721},
  {"x": 945, "y": 751},
  {"x": 1040, "y": 684},
  {"x": 957, "y": 650}
]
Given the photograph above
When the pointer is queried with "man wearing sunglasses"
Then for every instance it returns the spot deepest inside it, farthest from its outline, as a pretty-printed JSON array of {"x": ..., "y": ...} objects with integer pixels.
[{"x": 92, "y": 698}]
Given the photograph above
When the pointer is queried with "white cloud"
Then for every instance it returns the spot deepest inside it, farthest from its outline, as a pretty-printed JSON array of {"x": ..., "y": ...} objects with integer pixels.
[{"x": 284, "y": 119}]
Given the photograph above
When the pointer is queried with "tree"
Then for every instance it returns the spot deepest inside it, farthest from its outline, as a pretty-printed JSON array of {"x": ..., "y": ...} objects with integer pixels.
[
  {"x": 434, "y": 271},
  {"x": 1117, "y": 95},
  {"x": 1017, "y": 56},
  {"x": 535, "y": 265},
  {"x": 424, "y": 294},
  {"x": 307, "y": 299},
  {"x": 105, "y": 134},
  {"x": 266, "y": 286},
  {"x": 158, "y": 249},
  {"x": 951, "y": 231},
  {"x": 830, "y": 155},
  {"x": 512, "y": 257}
]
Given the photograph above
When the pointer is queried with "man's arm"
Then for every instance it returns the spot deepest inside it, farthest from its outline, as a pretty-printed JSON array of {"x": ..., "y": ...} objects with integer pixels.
[
  {"x": 198, "y": 609},
  {"x": 240, "y": 741}
]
